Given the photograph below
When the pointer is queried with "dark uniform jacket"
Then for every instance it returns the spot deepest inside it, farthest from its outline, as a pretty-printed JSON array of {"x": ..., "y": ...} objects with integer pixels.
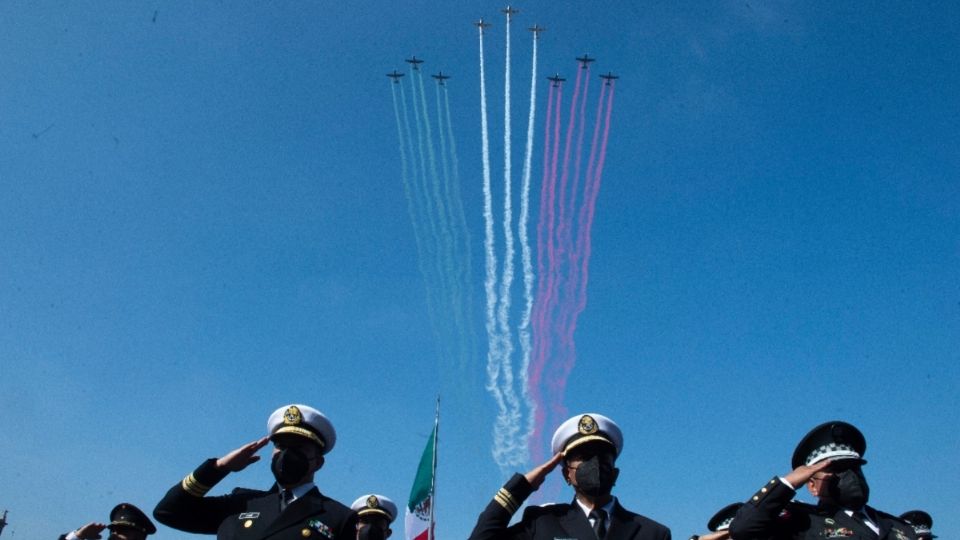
[
  {"x": 771, "y": 515},
  {"x": 556, "y": 521},
  {"x": 247, "y": 514}
]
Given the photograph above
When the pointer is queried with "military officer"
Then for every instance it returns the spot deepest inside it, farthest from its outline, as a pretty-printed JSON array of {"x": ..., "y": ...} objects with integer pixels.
[
  {"x": 292, "y": 508},
  {"x": 586, "y": 447},
  {"x": 829, "y": 462},
  {"x": 127, "y": 522},
  {"x": 719, "y": 524},
  {"x": 921, "y": 522},
  {"x": 375, "y": 513}
]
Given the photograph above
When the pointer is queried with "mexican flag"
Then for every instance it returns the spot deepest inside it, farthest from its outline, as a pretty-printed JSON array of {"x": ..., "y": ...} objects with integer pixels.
[{"x": 419, "y": 514}]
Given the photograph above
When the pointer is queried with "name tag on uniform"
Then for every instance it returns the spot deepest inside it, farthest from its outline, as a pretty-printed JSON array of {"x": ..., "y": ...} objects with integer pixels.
[{"x": 249, "y": 515}]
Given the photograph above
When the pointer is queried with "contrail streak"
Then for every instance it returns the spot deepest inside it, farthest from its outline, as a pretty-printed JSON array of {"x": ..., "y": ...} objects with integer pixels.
[
  {"x": 545, "y": 256},
  {"x": 490, "y": 281},
  {"x": 567, "y": 350},
  {"x": 446, "y": 258},
  {"x": 446, "y": 210},
  {"x": 503, "y": 314},
  {"x": 411, "y": 205},
  {"x": 528, "y": 277},
  {"x": 464, "y": 275}
]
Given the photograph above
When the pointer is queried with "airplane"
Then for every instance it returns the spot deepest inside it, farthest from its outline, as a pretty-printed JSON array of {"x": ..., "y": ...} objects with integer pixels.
[
  {"x": 440, "y": 77},
  {"x": 585, "y": 59},
  {"x": 557, "y": 79},
  {"x": 414, "y": 61},
  {"x": 510, "y": 12},
  {"x": 536, "y": 29},
  {"x": 3, "y": 521},
  {"x": 609, "y": 77},
  {"x": 395, "y": 76},
  {"x": 481, "y": 24}
]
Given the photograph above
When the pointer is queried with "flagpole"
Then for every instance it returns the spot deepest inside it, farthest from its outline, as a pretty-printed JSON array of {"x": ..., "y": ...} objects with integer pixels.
[{"x": 433, "y": 476}]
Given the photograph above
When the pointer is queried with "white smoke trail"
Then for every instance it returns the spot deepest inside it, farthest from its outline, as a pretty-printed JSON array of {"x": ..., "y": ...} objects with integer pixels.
[
  {"x": 490, "y": 281},
  {"x": 528, "y": 276},
  {"x": 515, "y": 445}
]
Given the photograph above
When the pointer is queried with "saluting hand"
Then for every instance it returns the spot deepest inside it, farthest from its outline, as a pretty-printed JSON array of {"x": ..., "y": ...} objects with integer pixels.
[
  {"x": 241, "y": 457},
  {"x": 799, "y": 476},
  {"x": 91, "y": 531},
  {"x": 537, "y": 475}
]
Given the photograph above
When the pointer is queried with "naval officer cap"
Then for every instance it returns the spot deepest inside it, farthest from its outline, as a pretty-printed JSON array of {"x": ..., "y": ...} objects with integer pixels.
[
  {"x": 834, "y": 440},
  {"x": 303, "y": 421},
  {"x": 126, "y": 515},
  {"x": 721, "y": 520},
  {"x": 374, "y": 505},
  {"x": 585, "y": 428},
  {"x": 921, "y": 522}
]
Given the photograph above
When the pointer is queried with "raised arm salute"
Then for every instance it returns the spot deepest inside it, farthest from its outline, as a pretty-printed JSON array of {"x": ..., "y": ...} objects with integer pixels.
[
  {"x": 292, "y": 508},
  {"x": 829, "y": 462},
  {"x": 586, "y": 448}
]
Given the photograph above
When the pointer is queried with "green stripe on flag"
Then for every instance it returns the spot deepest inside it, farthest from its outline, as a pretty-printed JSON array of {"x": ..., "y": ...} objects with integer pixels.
[{"x": 423, "y": 482}]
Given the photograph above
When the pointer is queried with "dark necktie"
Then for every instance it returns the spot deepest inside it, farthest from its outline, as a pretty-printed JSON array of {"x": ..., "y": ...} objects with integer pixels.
[
  {"x": 599, "y": 517},
  {"x": 286, "y": 497}
]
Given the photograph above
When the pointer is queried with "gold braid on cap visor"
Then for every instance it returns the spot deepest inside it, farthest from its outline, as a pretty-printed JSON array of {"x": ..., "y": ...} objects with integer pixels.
[
  {"x": 303, "y": 432},
  {"x": 585, "y": 439},
  {"x": 381, "y": 511}
]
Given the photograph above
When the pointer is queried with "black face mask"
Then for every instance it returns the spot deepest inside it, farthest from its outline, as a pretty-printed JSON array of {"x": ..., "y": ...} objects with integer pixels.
[
  {"x": 596, "y": 479},
  {"x": 849, "y": 489},
  {"x": 289, "y": 466}
]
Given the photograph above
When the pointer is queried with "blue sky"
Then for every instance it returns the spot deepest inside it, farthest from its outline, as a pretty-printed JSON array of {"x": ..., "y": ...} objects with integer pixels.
[{"x": 202, "y": 220}]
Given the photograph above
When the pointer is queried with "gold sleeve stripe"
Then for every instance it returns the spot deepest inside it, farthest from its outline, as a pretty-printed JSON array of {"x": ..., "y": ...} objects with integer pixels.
[
  {"x": 193, "y": 487},
  {"x": 506, "y": 500}
]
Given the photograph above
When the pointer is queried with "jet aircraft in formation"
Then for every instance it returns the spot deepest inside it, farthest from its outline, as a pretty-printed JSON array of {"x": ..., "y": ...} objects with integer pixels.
[
  {"x": 536, "y": 29},
  {"x": 395, "y": 76},
  {"x": 510, "y": 12},
  {"x": 440, "y": 77},
  {"x": 481, "y": 24},
  {"x": 584, "y": 60},
  {"x": 609, "y": 77},
  {"x": 414, "y": 61},
  {"x": 557, "y": 79}
]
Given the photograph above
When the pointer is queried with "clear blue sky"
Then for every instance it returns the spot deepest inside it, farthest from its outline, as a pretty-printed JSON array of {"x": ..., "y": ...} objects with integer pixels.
[{"x": 202, "y": 219}]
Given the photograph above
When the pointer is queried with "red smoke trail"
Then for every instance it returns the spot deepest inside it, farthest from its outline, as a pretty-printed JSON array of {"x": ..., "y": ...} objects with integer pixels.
[
  {"x": 566, "y": 353},
  {"x": 588, "y": 210},
  {"x": 535, "y": 367},
  {"x": 565, "y": 365},
  {"x": 557, "y": 292},
  {"x": 542, "y": 328}
]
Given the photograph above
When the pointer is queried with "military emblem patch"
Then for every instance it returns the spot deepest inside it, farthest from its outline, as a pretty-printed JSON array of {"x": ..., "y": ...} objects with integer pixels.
[
  {"x": 292, "y": 416},
  {"x": 587, "y": 425}
]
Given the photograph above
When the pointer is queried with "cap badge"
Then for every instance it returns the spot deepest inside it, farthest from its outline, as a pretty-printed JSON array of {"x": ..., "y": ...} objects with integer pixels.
[
  {"x": 292, "y": 416},
  {"x": 372, "y": 502},
  {"x": 587, "y": 425}
]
